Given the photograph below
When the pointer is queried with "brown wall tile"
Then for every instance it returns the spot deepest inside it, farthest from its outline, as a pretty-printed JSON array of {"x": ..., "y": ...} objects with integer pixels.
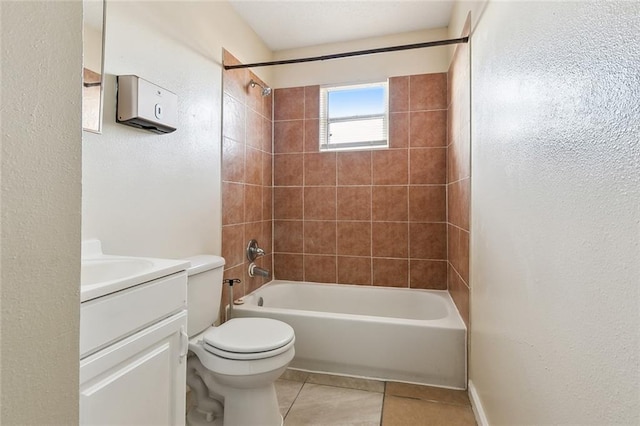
[
  {"x": 390, "y": 239},
  {"x": 233, "y": 165},
  {"x": 390, "y": 167},
  {"x": 267, "y": 106},
  {"x": 390, "y": 203},
  {"x": 459, "y": 293},
  {"x": 233, "y": 245},
  {"x": 428, "y": 129},
  {"x": 354, "y": 168},
  {"x": 427, "y": 203},
  {"x": 428, "y": 91},
  {"x": 398, "y": 130},
  {"x": 458, "y": 251},
  {"x": 320, "y": 168},
  {"x": 320, "y": 269},
  {"x": 288, "y": 169},
  {"x": 267, "y": 169},
  {"x": 287, "y": 203},
  {"x": 267, "y": 134},
  {"x": 354, "y": 203},
  {"x": 354, "y": 238},
  {"x": 428, "y": 274},
  {"x": 253, "y": 203},
  {"x": 319, "y": 237},
  {"x": 359, "y": 204},
  {"x": 233, "y": 203},
  {"x": 288, "y": 136},
  {"x": 233, "y": 119},
  {"x": 288, "y": 104},
  {"x": 399, "y": 94},
  {"x": 354, "y": 270},
  {"x": 287, "y": 235},
  {"x": 427, "y": 166},
  {"x": 253, "y": 129},
  {"x": 320, "y": 203},
  {"x": 428, "y": 241},
  {"x": 311, "y": 135},
  {"x": 390, "y": 272},
  {"x": 458, "y": 203},
  {"x": 312, "y": 102},
  {"x": 288, "y": 267},
  {"x": 253, "y": 166}
]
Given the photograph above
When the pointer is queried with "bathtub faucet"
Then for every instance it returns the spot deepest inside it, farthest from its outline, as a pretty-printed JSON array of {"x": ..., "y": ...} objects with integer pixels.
[{"x": 255, "y": 270}]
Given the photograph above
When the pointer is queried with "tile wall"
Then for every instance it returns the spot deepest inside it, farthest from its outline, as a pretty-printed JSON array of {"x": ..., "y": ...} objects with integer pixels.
[
  {"x": 363, "y": 217},
  {"x": 246, "y": 176},
  {"x": 459, "y": 177}
]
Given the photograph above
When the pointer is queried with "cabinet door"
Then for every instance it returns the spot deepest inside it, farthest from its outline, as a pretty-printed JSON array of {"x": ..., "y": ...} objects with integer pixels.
[{"x": 138, "y": 381}]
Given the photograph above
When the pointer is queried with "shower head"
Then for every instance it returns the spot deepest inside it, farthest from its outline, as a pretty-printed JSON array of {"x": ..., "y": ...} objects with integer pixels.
[{"x": 266, "y": 91}]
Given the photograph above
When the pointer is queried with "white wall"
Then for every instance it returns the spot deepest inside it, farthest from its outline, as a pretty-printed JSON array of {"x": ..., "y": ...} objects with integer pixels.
[
  {"x": 555, "y": 213},
  {"x": 159, "y": 195},
  {"x": 363, "y": 68},
  {"x": 40, "y": 198}
]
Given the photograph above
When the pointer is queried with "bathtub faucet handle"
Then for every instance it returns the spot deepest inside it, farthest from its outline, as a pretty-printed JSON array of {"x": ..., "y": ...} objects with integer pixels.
[{"x": 253, "y": 251}]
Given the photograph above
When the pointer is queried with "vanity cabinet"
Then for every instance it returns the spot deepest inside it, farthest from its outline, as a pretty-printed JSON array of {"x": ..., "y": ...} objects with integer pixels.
[{"x": 133, "y": 355}]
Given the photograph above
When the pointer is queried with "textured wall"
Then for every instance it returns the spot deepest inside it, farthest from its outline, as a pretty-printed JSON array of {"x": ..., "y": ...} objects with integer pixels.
[
  {"x": 40, "y": 261},
  {"x": 555, "y": 211},
  {"x": 371, "y": 217},
  {"x": 246, "y": 176},
  {"x": 160, "y": 195}
]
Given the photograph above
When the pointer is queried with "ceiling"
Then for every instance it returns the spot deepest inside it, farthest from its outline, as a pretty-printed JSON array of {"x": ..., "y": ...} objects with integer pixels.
[{"x": 300, "y": 23}]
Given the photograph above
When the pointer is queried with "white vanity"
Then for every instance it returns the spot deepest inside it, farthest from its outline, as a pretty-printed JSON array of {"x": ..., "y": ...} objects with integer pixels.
[{"x": 133, "y": 341}]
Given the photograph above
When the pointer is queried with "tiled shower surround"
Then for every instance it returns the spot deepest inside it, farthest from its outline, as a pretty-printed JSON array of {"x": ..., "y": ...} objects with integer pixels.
[
  {"x": 376, "y": 217},
  {"x": 393, "y": 217},
  {"x": 246, "y": 176}
]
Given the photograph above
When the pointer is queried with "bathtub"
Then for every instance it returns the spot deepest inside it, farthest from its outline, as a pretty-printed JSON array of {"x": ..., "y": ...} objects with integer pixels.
[{"x": 395, "y": 334}]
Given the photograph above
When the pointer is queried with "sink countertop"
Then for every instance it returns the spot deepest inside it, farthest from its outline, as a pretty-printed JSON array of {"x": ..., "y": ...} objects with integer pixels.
[{"x": 105, "y": 274}]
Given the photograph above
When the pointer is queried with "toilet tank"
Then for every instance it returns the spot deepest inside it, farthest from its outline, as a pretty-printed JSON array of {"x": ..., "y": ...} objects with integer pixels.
[{"x": 204, "y": 292}]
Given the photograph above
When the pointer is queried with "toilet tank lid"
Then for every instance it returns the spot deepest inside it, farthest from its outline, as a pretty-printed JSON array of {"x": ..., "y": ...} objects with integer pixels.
[{"x": 204, "y": 262}]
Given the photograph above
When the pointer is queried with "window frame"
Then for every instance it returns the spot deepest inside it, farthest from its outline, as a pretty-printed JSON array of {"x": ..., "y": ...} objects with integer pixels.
[{"x": 325, "y": 122}]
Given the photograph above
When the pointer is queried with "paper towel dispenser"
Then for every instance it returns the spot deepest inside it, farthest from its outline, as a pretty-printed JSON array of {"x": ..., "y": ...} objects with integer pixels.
[{"x": 146, "y": 106}]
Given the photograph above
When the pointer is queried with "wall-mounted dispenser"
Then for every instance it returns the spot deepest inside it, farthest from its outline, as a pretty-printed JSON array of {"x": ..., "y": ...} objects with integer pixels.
[{"x": 145, "y": 106}]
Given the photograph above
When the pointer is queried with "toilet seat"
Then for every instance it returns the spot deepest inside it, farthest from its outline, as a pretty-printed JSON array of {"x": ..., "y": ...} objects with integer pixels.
[{"x": 249, "y": 338}]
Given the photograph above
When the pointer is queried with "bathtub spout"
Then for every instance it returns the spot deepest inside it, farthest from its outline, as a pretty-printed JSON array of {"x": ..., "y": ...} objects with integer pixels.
[{"x": 255, "y": 270}]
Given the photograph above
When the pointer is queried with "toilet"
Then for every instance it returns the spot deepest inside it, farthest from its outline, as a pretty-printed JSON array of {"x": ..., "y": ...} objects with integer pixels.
[{"x": 231, "y": 368}]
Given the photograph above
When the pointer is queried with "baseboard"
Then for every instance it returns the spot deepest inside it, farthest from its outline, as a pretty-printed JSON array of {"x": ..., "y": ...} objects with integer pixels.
[{"x": 478, "y": 411}]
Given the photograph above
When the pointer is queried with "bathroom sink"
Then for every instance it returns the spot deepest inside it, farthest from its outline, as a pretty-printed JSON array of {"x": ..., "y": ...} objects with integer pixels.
[
  {"x": 103, "y": 274},
  {"x": 95, "y": 271}
]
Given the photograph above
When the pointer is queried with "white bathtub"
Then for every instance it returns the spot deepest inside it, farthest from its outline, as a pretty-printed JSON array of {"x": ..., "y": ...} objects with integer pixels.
[{"x": 396, "y": 334}]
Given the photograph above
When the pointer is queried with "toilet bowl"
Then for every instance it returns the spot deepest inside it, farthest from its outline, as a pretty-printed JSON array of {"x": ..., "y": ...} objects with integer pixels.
[{"x": 231, "y": 368}]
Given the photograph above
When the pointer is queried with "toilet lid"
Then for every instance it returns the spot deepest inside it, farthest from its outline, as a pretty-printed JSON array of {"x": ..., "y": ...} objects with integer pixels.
[{"x": 249, "y": 335}]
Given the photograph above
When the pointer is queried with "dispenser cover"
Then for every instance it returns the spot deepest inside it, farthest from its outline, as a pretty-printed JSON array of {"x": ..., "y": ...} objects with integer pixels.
[{"x": 145, "y": 105}]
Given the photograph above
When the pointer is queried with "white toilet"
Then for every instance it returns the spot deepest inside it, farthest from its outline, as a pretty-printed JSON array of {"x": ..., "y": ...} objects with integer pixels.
[{"x": 231, "y": 368}]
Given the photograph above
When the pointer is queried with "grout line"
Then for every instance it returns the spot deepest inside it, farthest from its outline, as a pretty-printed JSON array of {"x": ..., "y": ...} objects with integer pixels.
[{"x": 384, "y": 397}]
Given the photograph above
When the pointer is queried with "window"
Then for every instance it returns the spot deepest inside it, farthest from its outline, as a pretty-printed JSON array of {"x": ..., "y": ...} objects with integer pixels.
[{"x": 354, "y": 116}]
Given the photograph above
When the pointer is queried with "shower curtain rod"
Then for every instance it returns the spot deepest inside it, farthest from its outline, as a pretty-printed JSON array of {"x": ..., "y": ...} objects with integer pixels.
[{"x": 349, "y": 54}]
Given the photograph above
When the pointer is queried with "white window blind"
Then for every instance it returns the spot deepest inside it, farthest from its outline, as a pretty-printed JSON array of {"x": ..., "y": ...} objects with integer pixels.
[{"x": 354, "y": 116}]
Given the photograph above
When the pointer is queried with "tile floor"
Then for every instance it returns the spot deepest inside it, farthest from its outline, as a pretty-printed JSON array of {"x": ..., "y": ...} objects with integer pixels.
[{"x": 319, "y": 399}]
